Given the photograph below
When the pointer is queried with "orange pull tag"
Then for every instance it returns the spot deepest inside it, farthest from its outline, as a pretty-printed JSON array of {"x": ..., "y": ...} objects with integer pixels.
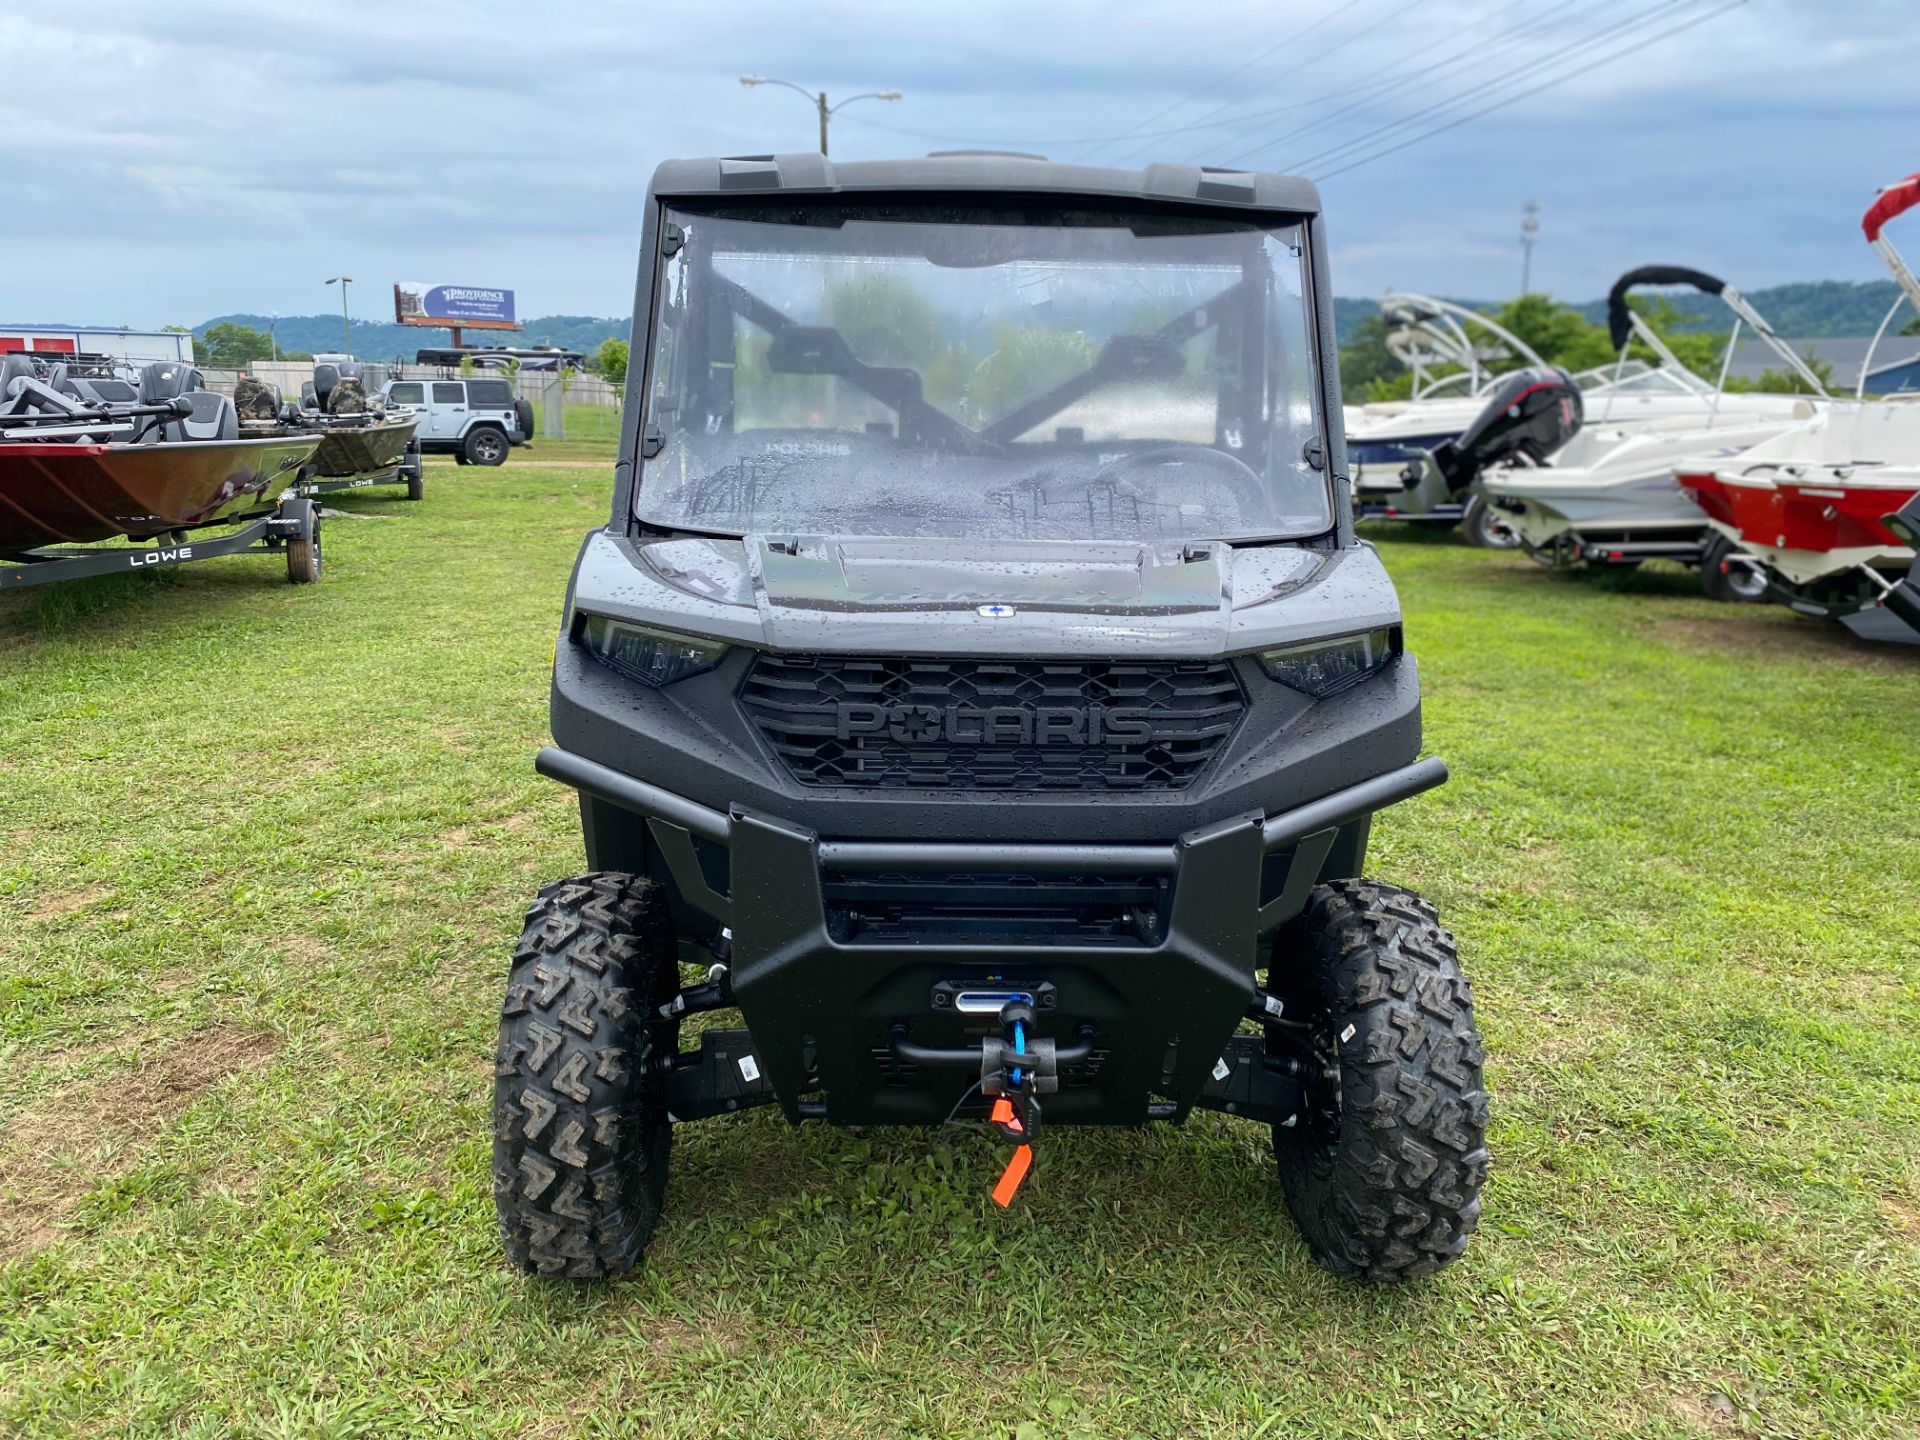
[
  {"x": 1021, "y": 1162},
  {"x": 1011, "y": 1177}
]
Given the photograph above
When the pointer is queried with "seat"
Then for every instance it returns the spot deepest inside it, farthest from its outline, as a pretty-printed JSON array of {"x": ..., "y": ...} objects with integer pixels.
[
  {"x": 23, "y": 392},
  {"x": 348, "y": 397},
  {"x": 256, "y": 399},
  {"x": 213, "y": 418},
  {"x": 166, "y": 380},
  {"x": 13, "y": 368}
]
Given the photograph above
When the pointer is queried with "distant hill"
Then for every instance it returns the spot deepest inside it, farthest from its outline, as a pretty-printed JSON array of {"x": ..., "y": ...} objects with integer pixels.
[
  {"x": 374, "y": 340},
  {"x": 1819, "y": 309}
]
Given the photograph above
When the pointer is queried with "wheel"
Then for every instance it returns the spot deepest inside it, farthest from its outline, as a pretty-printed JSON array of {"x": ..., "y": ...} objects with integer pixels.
[
  {"x": 485, "y": 446},
  {"x": 1486, "y": 527},
  {"x": 1383, "y": 1169},
  {"x": 1726, "y": 573},
  {"x": 580, "y": 1127},
  {"x": 303, "y": 557},
  {"x": 416, "y": 485}
]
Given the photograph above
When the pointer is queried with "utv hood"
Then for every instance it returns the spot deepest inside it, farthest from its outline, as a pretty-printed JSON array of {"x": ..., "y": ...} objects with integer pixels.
[{"x": 1031, "y": 598}]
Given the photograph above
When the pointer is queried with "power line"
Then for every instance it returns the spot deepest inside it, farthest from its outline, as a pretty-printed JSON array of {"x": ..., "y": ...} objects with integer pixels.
[
  {"x": 1535, "y": 90},
  {"x": 1278, "y": 76},
  {"x": 1358, "y": 95},
  {"x": 1612, "y": 30},
  {"x": 1068, "y": 140},
  {"x": 1363, "y": 95},
  {"x": 1241, "y": 69}
]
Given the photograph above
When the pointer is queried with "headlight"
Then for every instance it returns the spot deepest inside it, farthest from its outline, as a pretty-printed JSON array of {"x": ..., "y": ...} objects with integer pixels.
[
  {"x": 1321, "y": 667},
  {"x": 653, "y": 657}
]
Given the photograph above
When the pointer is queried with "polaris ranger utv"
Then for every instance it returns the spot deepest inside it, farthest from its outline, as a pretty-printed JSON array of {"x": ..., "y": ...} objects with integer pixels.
[{"x": 980, "y": 690}]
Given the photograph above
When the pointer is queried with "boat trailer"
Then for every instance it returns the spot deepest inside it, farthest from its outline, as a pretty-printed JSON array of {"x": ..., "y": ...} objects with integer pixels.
[{"x": 292, "y": 530}]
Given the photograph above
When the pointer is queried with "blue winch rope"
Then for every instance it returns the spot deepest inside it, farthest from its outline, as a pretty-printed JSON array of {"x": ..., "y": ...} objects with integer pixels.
[{"x": 1019, "y": 1046}]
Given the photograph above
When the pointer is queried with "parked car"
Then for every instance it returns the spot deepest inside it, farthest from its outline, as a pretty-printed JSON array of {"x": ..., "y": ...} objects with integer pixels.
[{"x": 475, "y": 421}]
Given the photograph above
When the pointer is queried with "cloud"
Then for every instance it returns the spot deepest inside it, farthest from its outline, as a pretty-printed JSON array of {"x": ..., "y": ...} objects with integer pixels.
[{"x": 163, "y": 165}]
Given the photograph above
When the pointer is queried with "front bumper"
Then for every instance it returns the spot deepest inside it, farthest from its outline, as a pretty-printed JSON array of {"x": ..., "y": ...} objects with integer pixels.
[{"x": 824, "y": 993}]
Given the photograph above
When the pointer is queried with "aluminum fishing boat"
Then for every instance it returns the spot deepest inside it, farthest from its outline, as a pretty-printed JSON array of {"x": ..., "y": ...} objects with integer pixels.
[{"x": 81, "y": 462}]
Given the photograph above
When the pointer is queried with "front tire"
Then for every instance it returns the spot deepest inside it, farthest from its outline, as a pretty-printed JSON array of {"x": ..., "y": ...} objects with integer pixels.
[
  {"x": 1383, "y": 1171},
  {"x": 581, "y": 1133}
]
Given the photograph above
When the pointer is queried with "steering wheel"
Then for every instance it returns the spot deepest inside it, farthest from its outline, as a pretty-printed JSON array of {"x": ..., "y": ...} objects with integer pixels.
[{"x": 1249, "y": 492}]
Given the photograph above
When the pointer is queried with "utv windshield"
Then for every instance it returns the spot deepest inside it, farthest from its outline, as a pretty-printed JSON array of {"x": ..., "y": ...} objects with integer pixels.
[{"x": 981, "y": 374}]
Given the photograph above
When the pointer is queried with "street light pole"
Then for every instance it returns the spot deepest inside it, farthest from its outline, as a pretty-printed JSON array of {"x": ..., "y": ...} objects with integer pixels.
[
  {"x": 346, "y": 337},
  {"x": 818, "y": 99}
]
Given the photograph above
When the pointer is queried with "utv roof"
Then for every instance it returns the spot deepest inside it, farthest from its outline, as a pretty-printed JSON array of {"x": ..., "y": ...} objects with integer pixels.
[{"x": 808, "y": 173}]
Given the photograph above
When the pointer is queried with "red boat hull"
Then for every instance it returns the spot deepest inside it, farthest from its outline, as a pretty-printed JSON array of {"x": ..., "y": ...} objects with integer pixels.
[
  {"x": 1799, "y": 514},
  {"x": 52, "y": 494}
]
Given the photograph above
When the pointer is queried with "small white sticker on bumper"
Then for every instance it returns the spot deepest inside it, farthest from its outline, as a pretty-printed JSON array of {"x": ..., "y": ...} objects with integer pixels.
[
  {"x": 1221, "y": 1069},
  {"x": 749, "y": 1069}
]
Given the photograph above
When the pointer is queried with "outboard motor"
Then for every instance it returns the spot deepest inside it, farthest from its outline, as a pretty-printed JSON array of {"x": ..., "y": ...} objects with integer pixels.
[
  {"x": 325, "y": 376},
  {"x": 1533, "y": 413}
]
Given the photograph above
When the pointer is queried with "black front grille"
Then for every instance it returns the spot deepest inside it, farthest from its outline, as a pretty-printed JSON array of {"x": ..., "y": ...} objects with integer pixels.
[{"x": 862, "y": 722}]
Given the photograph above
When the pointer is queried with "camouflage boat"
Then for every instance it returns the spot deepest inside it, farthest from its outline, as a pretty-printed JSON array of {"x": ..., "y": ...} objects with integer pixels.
[
  {"x": 360, "y": 444},
  {"x": 354, "y": 451}
]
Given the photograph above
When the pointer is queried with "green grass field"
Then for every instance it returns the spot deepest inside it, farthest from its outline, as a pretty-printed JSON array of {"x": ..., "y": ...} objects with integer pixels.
[{"x": 266, "y": 848}]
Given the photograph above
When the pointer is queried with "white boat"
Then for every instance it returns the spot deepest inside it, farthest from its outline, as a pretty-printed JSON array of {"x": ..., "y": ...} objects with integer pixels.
[
  {"x": 1828, "y": 513},
  {"x": 1387, "y": 442},
  {"x": 1609, "y": 496}
]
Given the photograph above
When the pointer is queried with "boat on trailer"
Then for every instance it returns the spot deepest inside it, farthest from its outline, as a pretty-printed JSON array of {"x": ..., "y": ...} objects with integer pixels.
[
  {"x": 361, "y": 444},
  {"x": 1828, "y": 516},
  {"x": 86, "y": 458},
  {"x": 1609, "y": 497},
  {"x": 1388, "y": 442}
]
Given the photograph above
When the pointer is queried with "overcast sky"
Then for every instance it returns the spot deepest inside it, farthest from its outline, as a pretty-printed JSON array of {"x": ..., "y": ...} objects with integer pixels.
[{"x": 163, "y": 164}]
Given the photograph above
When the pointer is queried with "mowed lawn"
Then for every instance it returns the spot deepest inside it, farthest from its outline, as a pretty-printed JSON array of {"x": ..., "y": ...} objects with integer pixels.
[{"x": 266, "y": 848}]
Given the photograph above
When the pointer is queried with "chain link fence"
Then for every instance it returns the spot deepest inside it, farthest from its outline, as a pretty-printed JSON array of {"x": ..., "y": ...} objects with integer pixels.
[{"x": 567, "y": 405}]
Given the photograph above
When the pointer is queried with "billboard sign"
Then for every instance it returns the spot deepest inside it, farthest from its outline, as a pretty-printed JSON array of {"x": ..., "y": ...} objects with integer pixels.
[{"x": 478, "y": 307}]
